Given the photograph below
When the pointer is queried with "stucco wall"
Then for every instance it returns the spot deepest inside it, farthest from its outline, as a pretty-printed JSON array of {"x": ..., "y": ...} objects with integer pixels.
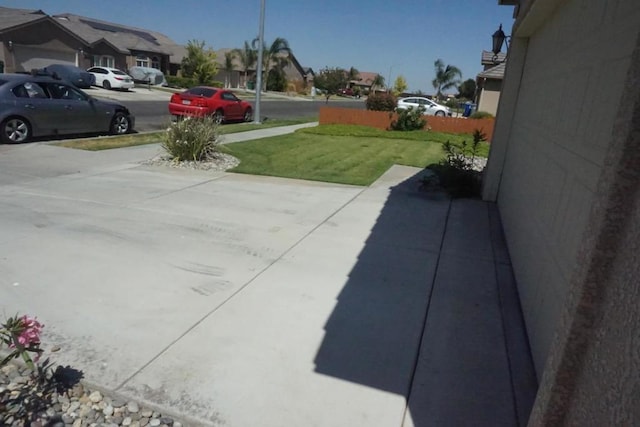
[
  {"x": 576, "y": 60},
  {"x": 490, "y": 96}
]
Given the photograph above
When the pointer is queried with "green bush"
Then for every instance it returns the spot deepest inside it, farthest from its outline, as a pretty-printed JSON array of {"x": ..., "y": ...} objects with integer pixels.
[
  {"x": 480, "y": 115},
  {"x": 185, "y": 82},
  {"x": 192, "y": 139},
  {"x": 180, "y": 82},
  {"x": 381, "y": 101},
  {"x": 456, "y": 173},
  {"x": 410, "y": 119}
]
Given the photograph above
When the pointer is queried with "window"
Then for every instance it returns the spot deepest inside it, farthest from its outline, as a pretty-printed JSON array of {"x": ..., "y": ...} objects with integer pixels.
[
  {"x": 228, "y": 96},
  {"x": 29, "y": 90},
  {"x": 155, "y": 63},
  {"x": 62, "y": 91},
  {"x": 142, "y": 61},
  {"x": 202, "y": 91},
  {"x": 104, "y": 61}
]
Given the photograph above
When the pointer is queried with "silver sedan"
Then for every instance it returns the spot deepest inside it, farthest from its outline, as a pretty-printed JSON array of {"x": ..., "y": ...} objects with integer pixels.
[{"x": 32, "y": 106}]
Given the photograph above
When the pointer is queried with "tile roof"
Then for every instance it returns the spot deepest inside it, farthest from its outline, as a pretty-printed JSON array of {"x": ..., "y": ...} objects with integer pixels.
[
  {"x": 122, "y": 37},
  {"x": 366, "y": 78},
  {"x": 488, "y": 58},
  {"x": 13, "y": 17},
  {"x": 496, "y": 72}
]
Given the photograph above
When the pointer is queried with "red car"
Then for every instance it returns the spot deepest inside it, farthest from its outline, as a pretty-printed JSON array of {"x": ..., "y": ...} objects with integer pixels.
[{"x": 202, "y": 101}]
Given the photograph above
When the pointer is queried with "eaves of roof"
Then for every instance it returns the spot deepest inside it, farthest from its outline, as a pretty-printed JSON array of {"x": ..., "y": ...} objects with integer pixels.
[{"x": 496, "y": 72}]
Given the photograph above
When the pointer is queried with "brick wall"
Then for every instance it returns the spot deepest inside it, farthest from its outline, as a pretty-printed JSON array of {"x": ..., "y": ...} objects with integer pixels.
[{"x": 383, "y": 119}]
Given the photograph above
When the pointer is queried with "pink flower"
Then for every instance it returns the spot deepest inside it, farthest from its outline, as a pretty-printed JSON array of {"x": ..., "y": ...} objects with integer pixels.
[{"x": 30, "y": 330}]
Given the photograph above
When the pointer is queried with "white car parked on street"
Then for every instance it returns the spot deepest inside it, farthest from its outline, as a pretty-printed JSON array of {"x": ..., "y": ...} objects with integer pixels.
[
  {"x": 431, "y": 108},
  {"x": 111, "y": 78}
]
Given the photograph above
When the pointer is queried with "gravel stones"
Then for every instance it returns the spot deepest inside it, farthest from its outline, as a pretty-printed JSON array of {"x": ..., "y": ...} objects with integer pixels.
[
  {"x": 221, "y": 162},
  {"x": 76, "y": 407}
]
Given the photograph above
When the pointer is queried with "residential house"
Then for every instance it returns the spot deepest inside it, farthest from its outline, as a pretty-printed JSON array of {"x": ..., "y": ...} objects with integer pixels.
[
  {"x": 33, "y": 39},
  {"x": 489, "y": 81},
  {"x": 564, "y": 169},
  {"x": 364, "y": 81}
]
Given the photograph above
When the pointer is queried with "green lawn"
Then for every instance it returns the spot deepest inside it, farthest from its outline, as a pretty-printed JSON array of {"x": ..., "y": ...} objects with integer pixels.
[{"x": 344, "y": 154}]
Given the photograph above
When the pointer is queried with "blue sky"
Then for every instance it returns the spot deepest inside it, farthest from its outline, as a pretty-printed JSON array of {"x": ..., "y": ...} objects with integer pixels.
[{"x": 401, "y": 37}]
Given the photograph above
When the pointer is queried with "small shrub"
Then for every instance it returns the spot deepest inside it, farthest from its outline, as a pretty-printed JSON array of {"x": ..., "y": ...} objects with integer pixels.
[
  {"x": 180, "y": 82},
  {"x": 382, "y": 101},
  {"x": 481, "y": 115},
  {"x": 193, "y": 139},
  {"x": 456, "y": 172},
  {"x": 410, "y": 119},
  {"x": 186, "y": 82}
]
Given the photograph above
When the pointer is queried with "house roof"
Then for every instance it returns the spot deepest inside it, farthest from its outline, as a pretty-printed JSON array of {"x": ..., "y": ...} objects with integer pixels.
[
  {"x": 496, "y": 72},
  {"x": 366, "y": 78},
  {"x": 10, "y": 18},
  {"x": 123, "y": 38},
  {"x": 489, "y": 58}
]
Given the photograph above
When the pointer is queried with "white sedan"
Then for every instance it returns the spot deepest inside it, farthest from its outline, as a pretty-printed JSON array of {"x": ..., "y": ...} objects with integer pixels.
[
  {"x": 111, "y": 78},
  {"x": 430, "y": 108}
]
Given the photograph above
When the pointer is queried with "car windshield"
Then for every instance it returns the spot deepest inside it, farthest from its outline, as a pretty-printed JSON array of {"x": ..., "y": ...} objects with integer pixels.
[
  {"x": 118, "y": 73},
  {"x": 202, "y": 91}
]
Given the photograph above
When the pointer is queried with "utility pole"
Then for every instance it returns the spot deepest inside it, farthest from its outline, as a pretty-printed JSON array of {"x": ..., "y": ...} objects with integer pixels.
[{"x": 256, "y": 116}]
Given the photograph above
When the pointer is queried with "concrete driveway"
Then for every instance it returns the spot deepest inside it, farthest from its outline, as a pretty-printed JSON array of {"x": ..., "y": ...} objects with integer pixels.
[{"x": 239, "y": 300}]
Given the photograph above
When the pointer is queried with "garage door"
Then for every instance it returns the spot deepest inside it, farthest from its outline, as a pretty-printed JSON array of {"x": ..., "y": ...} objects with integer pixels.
[{"x": 29, "y": 57}]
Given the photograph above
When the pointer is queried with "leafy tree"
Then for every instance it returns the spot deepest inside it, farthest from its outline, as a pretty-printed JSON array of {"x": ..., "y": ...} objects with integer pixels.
[
  {"x": 330, "y": 80},
  {"x": 247, "y": 57},
  {"x": 446, "y": 77},
  {"x": 467, "y": 89},
  {"x": 378, "y": 82},
  {"x": 228, "y": 67},
  {"x": 400, "y": 85},
  {"x": 199, "y": 63}
]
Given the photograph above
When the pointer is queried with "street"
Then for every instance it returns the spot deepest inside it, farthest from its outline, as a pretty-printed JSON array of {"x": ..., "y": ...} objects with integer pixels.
[{"x": 154, "y": 115}]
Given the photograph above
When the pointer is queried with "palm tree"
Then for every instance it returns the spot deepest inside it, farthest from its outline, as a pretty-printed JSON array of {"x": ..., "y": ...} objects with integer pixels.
[
  {"x": 274, "y": 56},
  {"x": 446, "y": 77},
  {"x": 378, "y": 81},
  {"x": 353, "y": 75},
  {"x": 247, "y": 57},
  {"x": 228, "y": 67}
]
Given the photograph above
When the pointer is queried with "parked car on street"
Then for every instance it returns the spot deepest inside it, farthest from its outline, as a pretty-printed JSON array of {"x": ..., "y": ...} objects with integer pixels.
[
  {"x": 202, "y": 101},
  {"x": 72, "y": 74},
  {"x": 111, "y": 78},
  {"x": 32, "y": 106},
  {"x": 431, "y": 108}
]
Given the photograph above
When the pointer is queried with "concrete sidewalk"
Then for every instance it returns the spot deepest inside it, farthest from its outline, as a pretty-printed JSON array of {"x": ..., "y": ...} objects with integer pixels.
[{"x": 242, "y": 301}]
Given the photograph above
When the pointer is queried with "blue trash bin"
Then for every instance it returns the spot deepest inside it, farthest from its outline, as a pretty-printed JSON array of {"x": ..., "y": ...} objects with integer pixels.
[{"x": 468, "y": 108}]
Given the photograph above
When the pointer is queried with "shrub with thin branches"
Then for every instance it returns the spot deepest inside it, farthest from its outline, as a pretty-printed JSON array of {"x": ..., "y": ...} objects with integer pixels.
[{"x": 192, "y": 138}]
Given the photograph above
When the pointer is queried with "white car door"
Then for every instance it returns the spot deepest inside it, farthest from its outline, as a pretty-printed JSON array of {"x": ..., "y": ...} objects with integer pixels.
[
  {"x": 430, "y": 107},
  {"x": 99, "y": 74}
]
